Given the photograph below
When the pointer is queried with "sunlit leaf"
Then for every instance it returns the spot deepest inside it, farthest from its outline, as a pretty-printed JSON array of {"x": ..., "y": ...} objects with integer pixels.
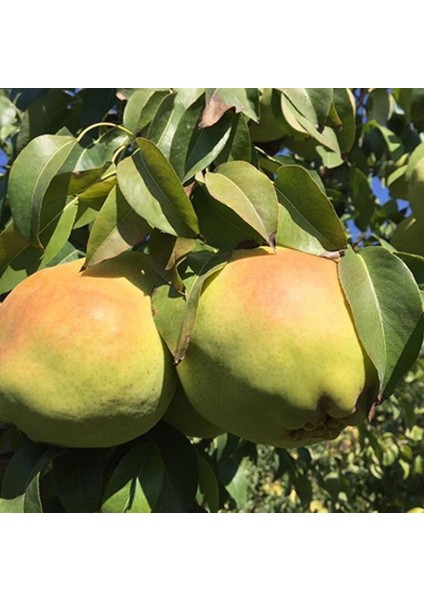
[
  {"x": 153, "y": 190},
  {"x": 194, "y": 149},
  {"x": 313, "y": 103},
  {"x": 168, "y": 115},
  {"x": 213, "y": 265},
  {"x": 219, "y": 100},
  {"x": 220, "y": 226},
  {"x": 136, "y": 481},
  {"x": 167, "y": 252},
  {"x": 387, "y": 310},
  {"x": 30, "y": 177},
  {"x": 116, "y": 229},
  {"x": 309, "y": 207},
  {"x": 141, "y": 108},
  {"x": 249, "y": 193}
]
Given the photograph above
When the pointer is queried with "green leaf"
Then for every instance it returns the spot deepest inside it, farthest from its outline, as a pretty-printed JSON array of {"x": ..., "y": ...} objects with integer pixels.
[
  {"x": 208, "y": 483},
  {"x": 43, "y": 116},
  {"x": 168, "y": 310},
  {"x": 239, "y": 145},
  {"x": 309, "y": 208},
  {"x": 181, "y": 476},
  {"x": 287, "y": 115},
  {"x": 220, "y": 226},
  {"x": 344, "y": 103},
  {"x": 96, "y": 156},
  {"x": 397, "y": 184},
  {"x": 59, "y": 232},
  {"x": 330, "y": 158},
  {"x": 417, "y": 107},
  {"x": 91, "y": 200},
  {"x": 70, "y": 184},
  {"x": 8, "y": 118},
  {"x": 392, "y": 142},
  {"x": 98, "y": 190},
  {"x": 293, "y": 235},
  {"x": 194, "y": 149},
  {"x": 379, "y": 105},
  {"x": 60, "y": 208},
  {"x": 215, "y": 263},
  {"x": 169, "y": 113},
  {"x": 18, "y": 258},
  {"x": 30, "y": 177},
  {"x": 167, "y": 252},
  {"x": 313, "y": 103},
  {"x": 249, "y": 193},
  {"x": 303, "y": 488},
  {"x": 141, "y": 108},
  {"x": 16, "y": 477},
  {"x": 7, "y": 112},
  {"x": 21, "y": 483},
  {"x": 78, "y": 475},
  {"x": 136, "y": 481},
  {"x": 66, "y": 254},
  {"x": 96, "y": 103},
  {"x": 233, "y": 473},
  {"x": 154, "y": 191},
  {"x": 32, "y": 499},
  {"x": 362, "y": 198},
  {"x": 415, "y": 264},
  {"x": 116, "y": 229},
  {"x": 306, "y": 111},
  {"x": 219, "y": 100},
  {"x": 8, "y": 441},
  {"x": 327, "y": 137},
  {"x": 169, "y": 305},
  {"x": 387, "y": 310}
]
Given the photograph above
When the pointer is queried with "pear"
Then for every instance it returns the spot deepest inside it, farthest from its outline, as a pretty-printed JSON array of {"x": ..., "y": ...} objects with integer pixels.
[
  {"x": 416, "y": 191},
  {"x": 269, "y": 127},
  {"x": 274, "y": 356},
  {"x": 183, "y": 416},
  {"x": 81, "y": 361},
  {"x": 409, "y": 236}
]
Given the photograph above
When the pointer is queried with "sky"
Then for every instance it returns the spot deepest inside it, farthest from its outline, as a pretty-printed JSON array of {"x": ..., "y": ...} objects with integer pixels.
[{"x": 3, "y": 161}]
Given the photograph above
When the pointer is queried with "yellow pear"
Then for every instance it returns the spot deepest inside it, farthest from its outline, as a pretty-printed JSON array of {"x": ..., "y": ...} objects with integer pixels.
[
  {"x": 81, "y": 361},
  {"x": 274, "y": 356}
]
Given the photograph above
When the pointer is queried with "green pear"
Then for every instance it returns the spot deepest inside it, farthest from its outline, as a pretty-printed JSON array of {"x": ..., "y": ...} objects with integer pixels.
[
  {"x": 409, "y": 236},
  {"x": 274, "y": 356},
  {"x": 416, "y": 191},
  {"x": 81, "y": 361},
  {"x": 184, "y": 417},
  {"x": 269, "y": 127}
]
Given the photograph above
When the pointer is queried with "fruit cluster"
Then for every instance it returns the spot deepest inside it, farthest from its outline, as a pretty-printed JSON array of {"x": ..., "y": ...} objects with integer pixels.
[{"x": 273, "y": 357}]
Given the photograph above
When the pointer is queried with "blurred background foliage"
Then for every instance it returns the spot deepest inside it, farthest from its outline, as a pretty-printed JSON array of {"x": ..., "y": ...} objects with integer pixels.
[{"x": 376, "y": 467}]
